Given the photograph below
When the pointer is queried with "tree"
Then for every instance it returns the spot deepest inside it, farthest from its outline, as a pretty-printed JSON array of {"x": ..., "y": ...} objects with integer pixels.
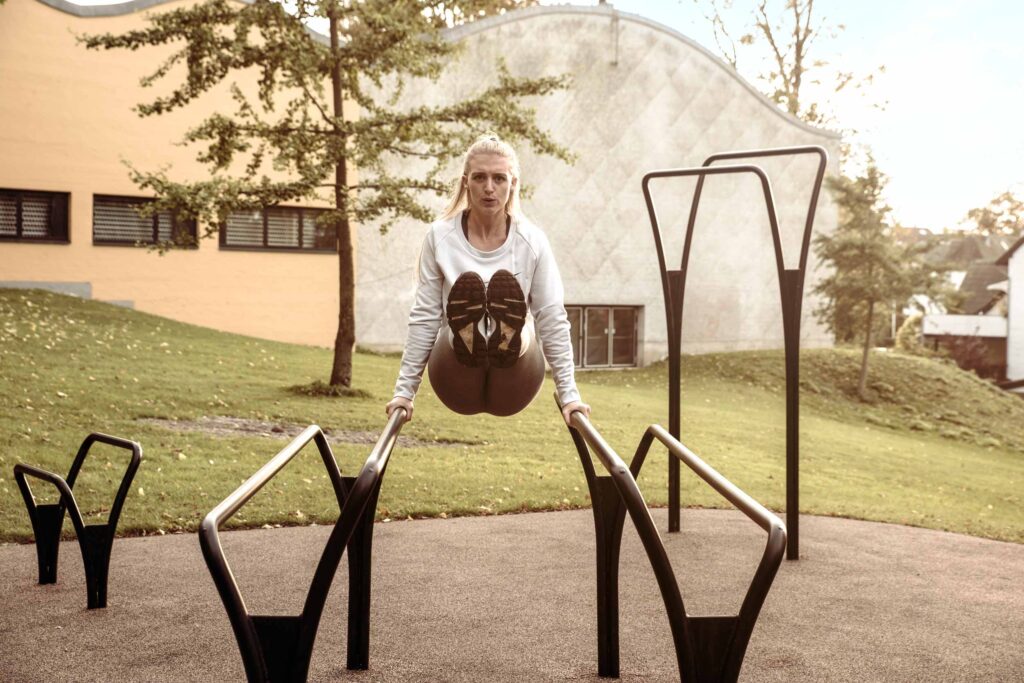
[
  {"x": 293, "y": 140},
  {"x": 1001, "y": 217},
  {"x": 868, "y": 268},
  {"x": 782, "y": 37}
]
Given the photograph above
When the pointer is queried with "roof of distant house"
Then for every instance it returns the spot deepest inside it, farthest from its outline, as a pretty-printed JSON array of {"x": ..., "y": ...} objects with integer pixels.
[
  {"x": 975, "y": 285},
  {"x": 1004, "y": 260},
  {"x": 966, "y": 249}
]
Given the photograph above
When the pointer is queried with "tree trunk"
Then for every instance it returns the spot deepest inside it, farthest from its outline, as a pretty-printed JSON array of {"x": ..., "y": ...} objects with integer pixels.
[
  {"x": 862, "y": 383},
  {"x": 344, "y": 341}
]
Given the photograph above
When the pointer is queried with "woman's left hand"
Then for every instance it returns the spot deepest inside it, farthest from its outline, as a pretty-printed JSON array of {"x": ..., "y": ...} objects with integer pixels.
[{"x": 569, "y": 408}]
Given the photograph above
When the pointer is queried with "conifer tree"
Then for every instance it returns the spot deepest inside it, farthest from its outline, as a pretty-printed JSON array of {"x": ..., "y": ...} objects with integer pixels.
[
  {"x": 292, "y": 139},
  {"x": 868, "y": 269}
]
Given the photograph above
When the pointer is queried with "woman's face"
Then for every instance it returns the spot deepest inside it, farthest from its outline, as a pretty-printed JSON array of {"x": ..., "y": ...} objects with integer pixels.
[{"x": 489, "y": 184}]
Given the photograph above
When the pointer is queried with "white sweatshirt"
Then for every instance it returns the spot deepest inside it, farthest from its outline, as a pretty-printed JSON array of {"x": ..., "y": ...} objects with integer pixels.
[{"x": 526, "y": 253}]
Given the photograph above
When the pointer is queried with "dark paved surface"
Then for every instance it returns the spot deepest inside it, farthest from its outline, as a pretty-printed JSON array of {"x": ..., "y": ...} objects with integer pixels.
[{"x": 512, "y": 599}]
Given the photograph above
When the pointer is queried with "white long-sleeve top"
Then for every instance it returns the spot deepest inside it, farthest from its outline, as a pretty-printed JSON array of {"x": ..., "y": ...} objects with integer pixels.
[{"x": 526, "y": 253}]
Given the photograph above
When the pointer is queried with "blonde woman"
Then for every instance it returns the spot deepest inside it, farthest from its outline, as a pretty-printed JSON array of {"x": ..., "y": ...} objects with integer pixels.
[{"x": 488, "y": 289}]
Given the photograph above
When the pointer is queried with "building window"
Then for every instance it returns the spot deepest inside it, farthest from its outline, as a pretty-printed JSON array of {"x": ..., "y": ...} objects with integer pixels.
[
  {"x": 34, "y": 216},
  {"x": 117, "y": 220},
  {"x": 288, "y": 228},
  {"x": 603, "y": 336}
]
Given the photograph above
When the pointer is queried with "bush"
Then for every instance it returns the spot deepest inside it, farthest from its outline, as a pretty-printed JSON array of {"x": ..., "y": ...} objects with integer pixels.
[
  {"x": 908, "y": 337},
  {"x": 969, "y": 353}
]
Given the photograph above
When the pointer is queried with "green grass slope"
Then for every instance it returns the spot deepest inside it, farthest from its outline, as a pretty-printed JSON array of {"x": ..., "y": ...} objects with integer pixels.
[{"x": 936, "y": 447}]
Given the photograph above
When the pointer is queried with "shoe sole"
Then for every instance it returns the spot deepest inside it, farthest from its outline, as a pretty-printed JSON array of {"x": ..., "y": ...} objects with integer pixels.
[
  {"x": 467, "y": 304},
  {"x": 506, "y": 305}
]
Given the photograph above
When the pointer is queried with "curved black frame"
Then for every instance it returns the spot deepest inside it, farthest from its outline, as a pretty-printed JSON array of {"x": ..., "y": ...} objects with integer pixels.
[
  {"x": 791, "y": 285},
  {"x": 707, "y": 648},
  {"x": 95, "y": 540},
  {"x": 275, "y": 648}
]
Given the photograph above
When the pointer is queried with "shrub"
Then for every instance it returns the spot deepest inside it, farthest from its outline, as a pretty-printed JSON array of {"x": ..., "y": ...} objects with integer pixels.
[{"x": 908, "y": 337}]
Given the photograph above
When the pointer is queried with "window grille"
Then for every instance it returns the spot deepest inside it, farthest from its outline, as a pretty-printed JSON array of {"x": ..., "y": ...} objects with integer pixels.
[
  {"x": 119, "y": 220},
  {"x": 243, "y": 229},
  {"x": 33, "y": 216},
  {"x": 285, "y": 228}
]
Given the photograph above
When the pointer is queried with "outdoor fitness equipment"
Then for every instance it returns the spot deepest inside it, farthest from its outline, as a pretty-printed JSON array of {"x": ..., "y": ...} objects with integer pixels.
[
  {"x": 278, "y": 648},
  {"x": 95, "y": 540},
  {"x": 707, "y": 648},
  {"x": 791, "y": 288}
]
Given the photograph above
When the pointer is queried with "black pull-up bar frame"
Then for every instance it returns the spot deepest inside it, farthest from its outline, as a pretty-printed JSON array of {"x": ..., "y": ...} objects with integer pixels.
[{"x": 791, "y": 287}]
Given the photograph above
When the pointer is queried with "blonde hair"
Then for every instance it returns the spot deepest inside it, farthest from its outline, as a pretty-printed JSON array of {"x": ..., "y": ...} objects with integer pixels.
[{"x": 489, "y": 143}]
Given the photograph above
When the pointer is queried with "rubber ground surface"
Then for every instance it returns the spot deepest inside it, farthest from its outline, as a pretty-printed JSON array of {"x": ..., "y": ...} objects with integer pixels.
[{"x": 512, "y": 598}]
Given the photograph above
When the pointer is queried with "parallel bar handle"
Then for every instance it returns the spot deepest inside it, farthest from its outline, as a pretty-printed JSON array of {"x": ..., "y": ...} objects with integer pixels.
[{"x": 764, "y": 517}]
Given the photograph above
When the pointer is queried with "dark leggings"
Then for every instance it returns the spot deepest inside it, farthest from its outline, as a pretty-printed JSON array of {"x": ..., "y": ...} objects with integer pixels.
[{"x": 498, "y": 391}]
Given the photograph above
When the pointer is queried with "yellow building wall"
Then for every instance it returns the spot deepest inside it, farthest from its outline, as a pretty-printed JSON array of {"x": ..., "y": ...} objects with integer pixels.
[{"x": 66, "y": 124}]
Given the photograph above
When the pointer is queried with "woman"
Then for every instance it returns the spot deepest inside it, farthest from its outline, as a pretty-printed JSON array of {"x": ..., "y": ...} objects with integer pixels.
[{"x": 488, "y": 285}]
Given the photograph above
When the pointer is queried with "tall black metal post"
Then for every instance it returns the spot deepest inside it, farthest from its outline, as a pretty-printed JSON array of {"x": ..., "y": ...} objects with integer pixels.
[
  {"x": 792, "y": 298},
  {"x": 360, "y": 563},
  {"x": 791, "y": 283},
  {"x": 676, "y": 280}
]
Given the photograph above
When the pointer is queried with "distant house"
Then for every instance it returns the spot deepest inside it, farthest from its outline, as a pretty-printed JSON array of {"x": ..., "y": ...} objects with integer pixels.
[
  {"x": 1013, "y": 259},
  {"x": 994, "y": 315}
]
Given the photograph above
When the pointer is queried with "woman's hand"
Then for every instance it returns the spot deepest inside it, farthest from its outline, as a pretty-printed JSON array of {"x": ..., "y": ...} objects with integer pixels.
[
  {"x": 569, "y": 408},
  {"x": 400, "y": 402}
]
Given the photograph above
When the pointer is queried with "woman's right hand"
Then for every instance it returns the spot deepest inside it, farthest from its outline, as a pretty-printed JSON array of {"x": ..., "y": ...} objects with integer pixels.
[{"x": 400, "y": 402}]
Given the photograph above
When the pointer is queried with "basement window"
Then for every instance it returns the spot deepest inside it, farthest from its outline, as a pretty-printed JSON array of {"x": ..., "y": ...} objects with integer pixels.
[
  {"x": 604, "y": 336},
  {"x": 278, "y": 228},
  {"x": 118, "y": 221},
  {"x": 29, "y": 216}
]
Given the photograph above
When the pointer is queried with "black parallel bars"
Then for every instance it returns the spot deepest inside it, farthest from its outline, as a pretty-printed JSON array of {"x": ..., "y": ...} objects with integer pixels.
[
  {"x": 278, "y": 648},
  {"x": 96, "y": 541},
  {"x": 707, "y": 648}
]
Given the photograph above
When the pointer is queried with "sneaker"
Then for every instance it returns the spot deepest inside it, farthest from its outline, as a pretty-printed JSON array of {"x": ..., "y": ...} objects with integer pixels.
[
  {"x": 467, "y": 303},
  {"x": 506, "y": 305}
]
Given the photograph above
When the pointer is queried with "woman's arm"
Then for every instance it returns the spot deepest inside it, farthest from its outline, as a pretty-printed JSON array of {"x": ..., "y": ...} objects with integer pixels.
[
  {"x": 547, "y": 303},
  {"x": 425, "y": 319}
]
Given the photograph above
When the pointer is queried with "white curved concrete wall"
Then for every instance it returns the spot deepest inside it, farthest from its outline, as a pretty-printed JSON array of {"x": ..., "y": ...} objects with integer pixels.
[{"x": 643, "y": 97}]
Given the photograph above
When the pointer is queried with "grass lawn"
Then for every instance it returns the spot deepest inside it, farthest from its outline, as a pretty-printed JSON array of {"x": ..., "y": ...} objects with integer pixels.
[{"x": 936, "y": 448}]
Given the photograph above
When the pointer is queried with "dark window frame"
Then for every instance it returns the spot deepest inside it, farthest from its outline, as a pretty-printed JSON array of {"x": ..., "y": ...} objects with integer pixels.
[
  {"x": 307, "y": 217},
  {"x": 58, "y": 229},
  {"x": 189, "y": 227},
  {"x": 580, "y": 340}
]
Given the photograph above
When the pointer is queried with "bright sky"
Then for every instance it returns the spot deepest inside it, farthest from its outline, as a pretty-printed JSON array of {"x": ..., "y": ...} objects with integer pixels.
[{"x": 952, "y": 134}]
